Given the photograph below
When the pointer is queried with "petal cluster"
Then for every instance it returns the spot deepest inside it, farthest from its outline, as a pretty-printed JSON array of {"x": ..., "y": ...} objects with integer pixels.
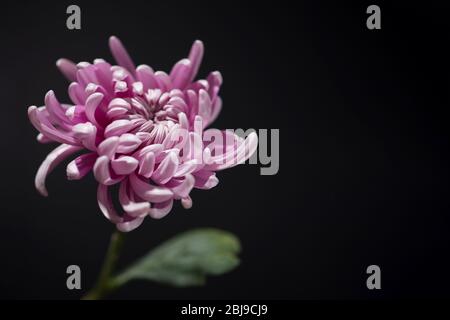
[{"x": 145, "y": 130}]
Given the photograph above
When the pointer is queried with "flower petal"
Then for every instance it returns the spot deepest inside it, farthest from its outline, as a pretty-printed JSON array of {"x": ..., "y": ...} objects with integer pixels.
[
  {"x": 145, "y": 75},
  {"x": 160, "y": 210},
  {"x": 54, "y": 108},
  {"x": 92, "y": 103},
  {"x": 76, "y": 93},
  {"x": 147, "y": 165},
  {"x": 128, "y": 143},
  {"x": 121, "y": 55},
  {"x": 124, "y": 165},
  {"x": 166, "y": 169},
  {"x": 181, "y": 73},
  {"x": 205, "y": 179},
  {"x": 195, "y": 56},
  {"x": 149, "y": 192},
  {"x": 80, "y": 166},
  {"x": 102, "y": 172},
  {"x": 118, "y": 127},
  {"x": 129, "y": 224},
  {"x": 186, "y": 202},
  {"x": 38, "y": 120},
  {"x": 86, "y": 133},
  {"x": 67, "y": 68},
  {"x": 51, "y": 161},
  {"x": 129, "y": 205},
  {"x": 183, "y": 189},
  {"x": 108, "y": 147},
  {"x": 105, "y": 204}
]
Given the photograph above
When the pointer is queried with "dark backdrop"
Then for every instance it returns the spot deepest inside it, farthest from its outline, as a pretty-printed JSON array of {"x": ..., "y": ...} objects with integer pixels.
[{"x": 364, "y": 168}]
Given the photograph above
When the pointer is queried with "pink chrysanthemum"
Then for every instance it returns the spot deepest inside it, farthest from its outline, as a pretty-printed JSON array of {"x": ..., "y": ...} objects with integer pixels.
[{"x": 142, "y": 129}]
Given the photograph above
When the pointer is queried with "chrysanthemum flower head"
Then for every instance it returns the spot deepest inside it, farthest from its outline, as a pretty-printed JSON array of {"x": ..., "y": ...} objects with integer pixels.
[{"x": 144, "y": 130}]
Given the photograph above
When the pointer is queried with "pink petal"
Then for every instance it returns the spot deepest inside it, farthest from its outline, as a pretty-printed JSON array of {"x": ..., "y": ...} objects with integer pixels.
[
  {"x": 183, "y": 189},
  {"x": 244, "y": 151},
  {"x": 163, "y": 80},
  {"x": 130, "y": 224},
  {"x": 155, "y": 148},
  {"x": 149, "y": 192},
  {"x": 108, "y": 147},
  {"x": 76, "y": 93},
  {"x": 67, "y": 68},
  {"x": 106, "y": 205},
  {"x": 118, "y": 127},
  {"x": 92, "y": 103},
  {"x": 186, "y": 202},
  {"x": 181, "y": 73},
  {"x": 102, "y": 172},
  {"x": 147, "y": 164},
  {"x": 128, "y": 143},
  {"x": 216, "y": 108},
  {"x": 124, "y": 165},
  {"x": 166, "y": 169},
  {"x": 86, "y": 133},
  {"x": 204, "y": 105},
  {"x": 160, "y": 210},
  {"x": 42, "y": 124},
  {"x": 80, "y": 166},
  {"x": 205, "y": 179},
  {"x": 186, "y": 168},
  {"x": 145, "y": 74},
  {"x": 121, "y": 55},
  {"x": 195, "y": 56},
  {"x": 129, "y": 205},
  {"x": 43, "y": 139},
  {"x": 51, "y": 161},
  {"x": 55, "y": 109}
]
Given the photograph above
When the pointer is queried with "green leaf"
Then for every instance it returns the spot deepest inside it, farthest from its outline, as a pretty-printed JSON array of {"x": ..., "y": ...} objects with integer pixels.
[{"x": 186, "y": 259}]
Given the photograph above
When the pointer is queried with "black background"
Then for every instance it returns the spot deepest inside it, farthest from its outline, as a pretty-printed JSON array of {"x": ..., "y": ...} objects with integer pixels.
[{"x": 364, "y": 150}]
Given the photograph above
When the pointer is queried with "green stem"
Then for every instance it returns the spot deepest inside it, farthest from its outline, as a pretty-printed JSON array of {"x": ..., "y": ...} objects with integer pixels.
[{"x": 104, "y": 283}]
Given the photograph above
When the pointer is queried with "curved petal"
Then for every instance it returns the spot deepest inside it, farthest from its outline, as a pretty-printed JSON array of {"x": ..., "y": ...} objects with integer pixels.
[
  {"x": 163, "y": 80},
  {"x": 102, "y": 172},
  {"x": 124, "y": 165},
  {"x": 129, "y": 224},
  {"x": 76, "y": 93},
  {"x": 181, "y": 73},
  {"x": 183, "y": 189},
  {"x": 92, "y": 103},
  {"x": 108, "y": 147},
  {"x": 186, "y": 202},
  {"x": 68, "y": 68},
  {"x": 147, "y": 165},
  {"x": 186, "y": 168},
  {"x": 204, "y": 105},
  {"x": 86, "y": 133},
  {"x": 236, "y": 151},
  {"x": 121, "y": 55},
  {"x": 145, "y": 75},
  {"x": 118, "y": 127},
  {"x": 160, "y": 210},
  {"x": 146, "y": 191},
  {"x": 128, "y": 143},
  {"x": 196, "y": 56},
  {"x": 80, "y": 166},
  {"x": 205, "y": 179},
  {"x": 166, "y": 169},
  {"x": 105, "y": 204},
  {"x": 129, "y": 204},
  {"x": 55, "y": 109},
  {"x": 42, "y": 124},
  {"x": 43, "y": 139},
  {"x": 51, "y": 161}
]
